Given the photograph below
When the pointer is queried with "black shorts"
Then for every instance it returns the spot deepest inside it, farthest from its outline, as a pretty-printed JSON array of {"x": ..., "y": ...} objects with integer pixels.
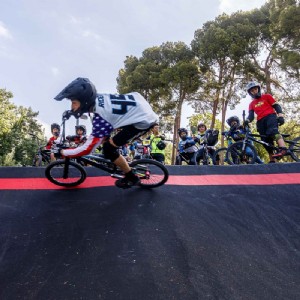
[
  {"x": 127, "y": 133},
  {"x": 268, "y": 125}
]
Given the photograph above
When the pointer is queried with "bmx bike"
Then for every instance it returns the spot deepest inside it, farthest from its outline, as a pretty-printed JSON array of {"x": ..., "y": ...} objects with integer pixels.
[
  {"x": 68, "y": 173},
  {"x": 237, "y": 152}
]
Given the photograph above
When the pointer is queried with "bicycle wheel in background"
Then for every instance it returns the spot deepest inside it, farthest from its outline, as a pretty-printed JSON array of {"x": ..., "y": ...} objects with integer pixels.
[
  {"x": 152, "y": 173},
  {"x": 206, "y": 161},
  {"x": 237, "y": 156},
  {"x": 65, "y": 173},
  {"x": 295, "y": 149},
  {"x": 219, "y": 157}
]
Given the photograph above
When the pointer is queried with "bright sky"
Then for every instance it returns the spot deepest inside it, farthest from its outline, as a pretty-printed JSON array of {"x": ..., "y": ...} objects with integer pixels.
[{"x": 44, "y": 45}]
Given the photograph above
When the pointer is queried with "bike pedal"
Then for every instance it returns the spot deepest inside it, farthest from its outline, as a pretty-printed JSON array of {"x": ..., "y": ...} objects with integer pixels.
[{"x": 117, "y": 176}]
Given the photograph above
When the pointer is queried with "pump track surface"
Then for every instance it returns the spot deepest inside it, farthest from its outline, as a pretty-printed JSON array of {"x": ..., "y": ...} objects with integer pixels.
[{"x": 211, "y": 232}]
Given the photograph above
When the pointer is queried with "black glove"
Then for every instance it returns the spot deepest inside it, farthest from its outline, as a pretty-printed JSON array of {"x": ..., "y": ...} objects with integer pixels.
[
  {"x": 280, "y": 121},
  {"x": 187, "y": 145},
  {"x": 246, "y": 122},
  {"x": 196, "y": 140},
  {"x": 67, "y": 114}
]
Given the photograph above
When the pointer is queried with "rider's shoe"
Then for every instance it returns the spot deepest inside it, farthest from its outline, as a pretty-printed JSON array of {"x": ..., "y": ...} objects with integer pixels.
[
  {"x": 280, "y": 153},
  {"x": 128, "y": 181}
]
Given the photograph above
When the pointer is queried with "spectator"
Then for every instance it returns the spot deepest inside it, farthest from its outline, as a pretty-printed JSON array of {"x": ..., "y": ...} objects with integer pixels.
[
  {"x": 269, "y": 116},
  {"x": 157, "y": 145}
]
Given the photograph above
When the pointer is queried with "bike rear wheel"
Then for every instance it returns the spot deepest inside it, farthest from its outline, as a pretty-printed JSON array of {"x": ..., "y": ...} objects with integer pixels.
[
  {"x": 151, "y": 173},
  {"x": 219, "y": 157},
  {"x": 65, "y": 173},
  {"x": 236, "y": 155},
  {"x": 295, "y": 149}
]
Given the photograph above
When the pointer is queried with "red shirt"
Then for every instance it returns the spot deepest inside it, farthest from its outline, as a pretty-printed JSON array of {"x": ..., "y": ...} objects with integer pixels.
[
  {"x": 263, "y": 106},
  {"x": 50, "y": 142}
]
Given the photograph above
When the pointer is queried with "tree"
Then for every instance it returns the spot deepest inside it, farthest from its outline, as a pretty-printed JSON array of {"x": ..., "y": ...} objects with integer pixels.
[
  {"x": 221, "y": 46},
  {"x": 274, "y": 58},
  {"x": 15, "y": 124},
  {"x": 167, "y": 76}
]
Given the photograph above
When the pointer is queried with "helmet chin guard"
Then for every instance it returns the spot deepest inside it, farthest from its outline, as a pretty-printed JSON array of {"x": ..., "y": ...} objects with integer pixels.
[{"x": 81, "y": 89}]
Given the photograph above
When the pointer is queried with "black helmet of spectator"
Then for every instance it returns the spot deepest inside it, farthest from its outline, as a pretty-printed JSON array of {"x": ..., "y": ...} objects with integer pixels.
[
  {"x": 81, "y": 89},
  {"x": 82, "y": 127},
  {"x": 200, "y": 124},
  {"x": 231, "y": 119},
  {"x": 251, "y": 85},
  {"x": 55, "y": 125},
  {"x": 180, "y": 130}
]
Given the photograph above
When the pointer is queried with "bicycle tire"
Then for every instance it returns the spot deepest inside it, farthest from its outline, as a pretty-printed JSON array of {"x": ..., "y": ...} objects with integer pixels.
[
  {"x": 219, "y": 157},
  {"x": 151, "y": 172},
  {"x": 65, "y": 173},
  {"x": 206, "y": 162},
  {"x": 237, "y": 156},
  {"x": 295, "y": 149}
]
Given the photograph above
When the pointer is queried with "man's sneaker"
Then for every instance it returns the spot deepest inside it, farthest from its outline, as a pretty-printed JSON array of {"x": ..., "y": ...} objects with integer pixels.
[
  {"x": 125, "y": 183},
  {"x": 280, "y": 153}
]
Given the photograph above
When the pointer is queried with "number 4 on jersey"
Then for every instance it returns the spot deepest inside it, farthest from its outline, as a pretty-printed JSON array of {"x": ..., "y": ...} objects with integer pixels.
[{"x": 122, "y": 101}]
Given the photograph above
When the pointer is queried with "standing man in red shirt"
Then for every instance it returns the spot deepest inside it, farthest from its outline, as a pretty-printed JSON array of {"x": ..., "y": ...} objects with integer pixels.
[{"x": 269, "y": 116}]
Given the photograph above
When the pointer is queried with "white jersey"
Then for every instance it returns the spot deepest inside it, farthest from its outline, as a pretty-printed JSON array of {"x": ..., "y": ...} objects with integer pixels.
[{"x": 127, "y": 109}]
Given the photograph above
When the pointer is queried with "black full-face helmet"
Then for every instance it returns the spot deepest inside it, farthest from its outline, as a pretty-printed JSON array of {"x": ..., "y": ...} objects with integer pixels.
[
  {"x": 233, "y": 118},
  {"x": 55, "y": 125},
  {"x": 180, "y": 130},
  {"x": 251, "y": 85},
  {"x": 81, "y": 89},
  {"x": 82, "y": 127}
]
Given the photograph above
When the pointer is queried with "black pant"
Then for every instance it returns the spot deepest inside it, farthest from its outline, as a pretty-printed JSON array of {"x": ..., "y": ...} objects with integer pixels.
[{"x": 158, "y": 157}]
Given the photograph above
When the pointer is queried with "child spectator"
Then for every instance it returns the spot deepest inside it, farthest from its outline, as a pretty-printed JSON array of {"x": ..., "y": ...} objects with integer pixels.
[
  {"x": 55, "y": 130},
  {"x": 201, "y": 140},
  {"x": 186, "y": 148},
  {"x": 269, "y": 116},
  {"x": 157, "y": 145},
  {"x": 80, "y": 137},
  {"x": 237, "y": 133}
]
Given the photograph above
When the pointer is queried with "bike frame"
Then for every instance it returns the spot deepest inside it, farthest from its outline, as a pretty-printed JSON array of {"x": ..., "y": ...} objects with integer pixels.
[
  {"x": 100, "y": 163},
  {"x": 251, "y": 137}
]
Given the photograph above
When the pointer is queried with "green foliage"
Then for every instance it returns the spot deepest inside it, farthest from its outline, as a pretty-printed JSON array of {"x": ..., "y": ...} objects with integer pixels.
[
  {"x": 226, "y": 53},
  {"x": 166, "y": 76},
  {"x": 15, "y": 124},
  {"x": 195, "y": 119}
]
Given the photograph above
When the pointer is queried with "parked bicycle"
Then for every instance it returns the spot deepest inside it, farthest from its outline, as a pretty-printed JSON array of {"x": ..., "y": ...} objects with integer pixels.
[
  {"x": 219, "y": 157},
  {"x": 42, "y": 156},
  {"x": 244, "y": 152},
  {"x": 206, "y": 150},
  {"x": 203, "y": 156}
]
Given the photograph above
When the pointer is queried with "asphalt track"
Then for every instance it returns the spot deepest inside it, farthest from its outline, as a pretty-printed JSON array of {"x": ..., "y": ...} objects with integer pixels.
[{"x": 210, "y": 233}]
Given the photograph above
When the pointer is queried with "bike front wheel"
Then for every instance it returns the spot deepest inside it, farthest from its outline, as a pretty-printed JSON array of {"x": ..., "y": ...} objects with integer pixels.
[
  {"x": 65, "y": 173},
  {"x": 151, "y": 173},
  {"x": 238, "y": 154},
  {"x": 219, "y": 157}
]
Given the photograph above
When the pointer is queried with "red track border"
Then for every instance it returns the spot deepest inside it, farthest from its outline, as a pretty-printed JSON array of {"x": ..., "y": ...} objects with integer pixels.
[{"x": 186, "y": 180}]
